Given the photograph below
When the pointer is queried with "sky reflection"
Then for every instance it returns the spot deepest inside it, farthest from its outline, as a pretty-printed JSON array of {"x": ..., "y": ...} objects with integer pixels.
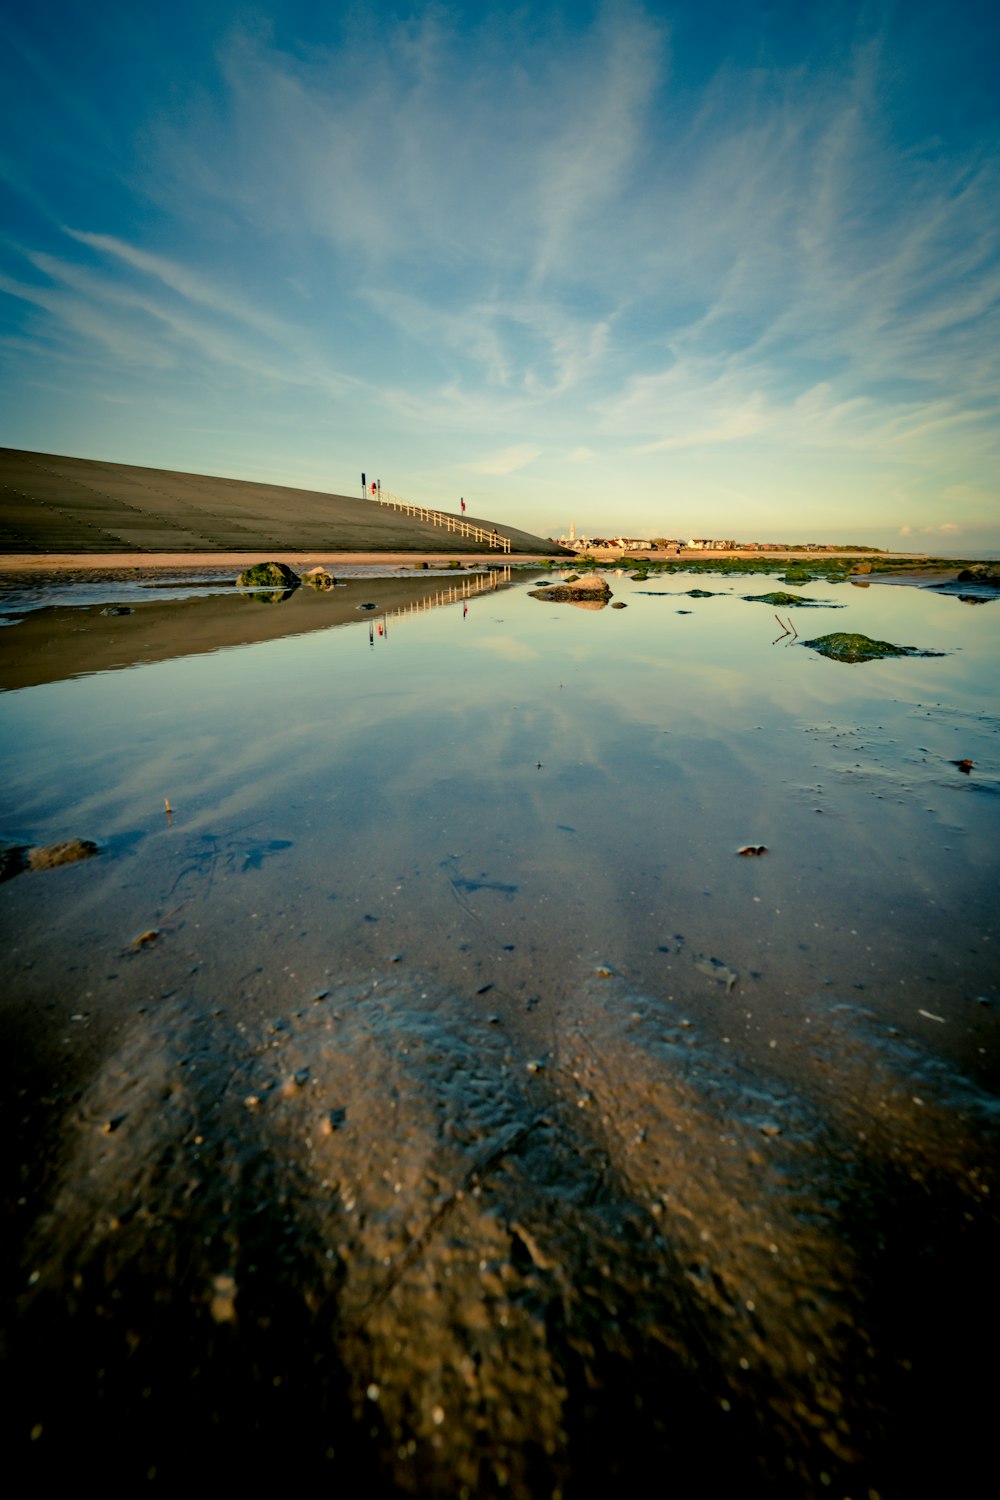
[{"x": 591, "y": 775}]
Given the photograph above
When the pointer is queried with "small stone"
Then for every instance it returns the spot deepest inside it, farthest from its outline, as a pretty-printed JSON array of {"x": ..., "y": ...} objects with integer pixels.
[
  {"x": 535, "y": 1066},
  {"x": 223, "y": 1304}
]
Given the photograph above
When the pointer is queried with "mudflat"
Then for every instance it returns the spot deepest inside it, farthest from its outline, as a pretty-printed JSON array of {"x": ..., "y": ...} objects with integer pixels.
[{"x": 418, "y": 1091}]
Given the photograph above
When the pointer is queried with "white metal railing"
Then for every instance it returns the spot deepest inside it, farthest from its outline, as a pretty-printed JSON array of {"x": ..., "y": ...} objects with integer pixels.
[{"x": 441, "y": 518}]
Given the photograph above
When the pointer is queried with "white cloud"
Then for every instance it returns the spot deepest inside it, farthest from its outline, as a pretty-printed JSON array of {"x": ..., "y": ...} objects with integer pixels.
[
  {"x": 190, "y": 285},
  {"x": 507, "y": 461}
]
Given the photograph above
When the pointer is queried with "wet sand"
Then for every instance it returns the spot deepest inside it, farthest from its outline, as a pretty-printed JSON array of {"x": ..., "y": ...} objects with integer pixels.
[
  {"x": 25, "y": 571},
  {"x": 386, "y": 1120},
  {"x": 907, "y": 567}
]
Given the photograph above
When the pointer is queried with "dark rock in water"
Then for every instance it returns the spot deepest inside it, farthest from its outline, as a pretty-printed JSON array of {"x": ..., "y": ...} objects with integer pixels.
[
  {"x": 573, "y": 589},
  {"x": 50, "y": 856},
  {"x": 13, "y": 859},
  {"x": 619, "y": 604},
  {"x": 843, "y": 646},
  {"x": 118, "y": 609},
  {"x": 368, "y": 606},
  {"x": 789, "y": 601},
  {"x": 701, "y": 593},
  {"x": 982, "y": 573},
  {"x": 264, "y": 575}
]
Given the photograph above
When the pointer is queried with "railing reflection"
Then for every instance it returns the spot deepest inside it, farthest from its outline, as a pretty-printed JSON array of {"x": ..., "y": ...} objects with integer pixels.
[{"x": 452, "y": 593}]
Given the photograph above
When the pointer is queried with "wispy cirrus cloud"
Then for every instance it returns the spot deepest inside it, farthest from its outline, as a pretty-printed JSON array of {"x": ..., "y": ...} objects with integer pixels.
[
  {"x": 187, "y": 283},
  {"x": 506, "y": 461}
]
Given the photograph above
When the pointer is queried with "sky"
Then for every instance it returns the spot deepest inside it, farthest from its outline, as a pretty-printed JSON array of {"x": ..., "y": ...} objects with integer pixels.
[{"x": 692, "y": 269}]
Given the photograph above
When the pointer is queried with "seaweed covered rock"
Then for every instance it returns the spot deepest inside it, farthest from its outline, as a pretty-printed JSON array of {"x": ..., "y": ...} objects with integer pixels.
[
  {"x": 988, "y": 573},
  {"x": 17, "y": 857},
  {"x": 841, "y": 645},
  {"x": 268, "y": 575},
  {"x": 592, "y": 590},
  {"x": 789, "y": 601},
  {"x": 51, "y": 856}
]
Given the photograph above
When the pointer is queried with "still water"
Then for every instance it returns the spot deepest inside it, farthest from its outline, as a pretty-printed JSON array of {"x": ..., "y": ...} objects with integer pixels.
[
  {"x": 711, "y": 1134},
  {"x": 502, "y": 790}
]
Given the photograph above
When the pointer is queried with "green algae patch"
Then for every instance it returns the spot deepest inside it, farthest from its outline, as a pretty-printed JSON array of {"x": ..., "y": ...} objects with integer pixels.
[
  {"x": 268, "y": 575},
  {"x": 789, "y": 601},
  {"x": 841, "y": 645}
]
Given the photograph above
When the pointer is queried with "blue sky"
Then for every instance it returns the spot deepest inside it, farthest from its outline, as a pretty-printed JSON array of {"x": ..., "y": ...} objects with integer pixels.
[{"x": 691, "y": 269}]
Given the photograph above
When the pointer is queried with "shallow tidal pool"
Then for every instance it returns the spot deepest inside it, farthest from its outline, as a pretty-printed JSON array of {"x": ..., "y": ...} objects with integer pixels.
[{"x": 420, "y": 1072}]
